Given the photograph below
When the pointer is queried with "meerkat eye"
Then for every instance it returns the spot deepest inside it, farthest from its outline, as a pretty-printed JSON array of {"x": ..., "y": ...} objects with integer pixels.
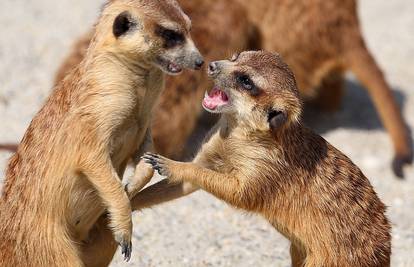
[
  {"x": 171, "y": 37},
  {"x": 245, "y": 81},
  {"x": 234, "y": 57},
  {"x": 122, "y": 24}
]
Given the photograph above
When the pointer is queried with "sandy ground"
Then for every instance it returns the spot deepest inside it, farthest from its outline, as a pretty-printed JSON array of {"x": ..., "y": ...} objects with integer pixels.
[{"x": 200, "y": 230}]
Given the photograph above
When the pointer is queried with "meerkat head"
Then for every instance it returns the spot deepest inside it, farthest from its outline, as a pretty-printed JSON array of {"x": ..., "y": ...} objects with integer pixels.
[
  {"x": 154, "y": 31},
  {"x": 257, "y": 88}
]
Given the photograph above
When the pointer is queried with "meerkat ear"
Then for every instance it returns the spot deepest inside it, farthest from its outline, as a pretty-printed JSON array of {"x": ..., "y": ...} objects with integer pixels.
[
  {"x": 122, "y": 24},
  {"x": 276, "y": 119}
]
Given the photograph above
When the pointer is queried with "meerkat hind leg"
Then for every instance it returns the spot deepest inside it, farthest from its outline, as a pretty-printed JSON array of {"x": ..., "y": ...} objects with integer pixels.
[{"x": 330, "y": 92}]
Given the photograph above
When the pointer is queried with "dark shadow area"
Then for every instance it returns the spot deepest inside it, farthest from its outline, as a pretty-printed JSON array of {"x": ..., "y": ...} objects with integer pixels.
[
  {"x": 357, "y": 111},
  {"x": 194, "y": 142}
]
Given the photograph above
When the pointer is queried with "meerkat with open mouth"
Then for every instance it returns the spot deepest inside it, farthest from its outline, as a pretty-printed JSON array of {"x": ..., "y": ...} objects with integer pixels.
[
  {"x": 261, "y": 159},
  {"x": 66, "y": 171}
]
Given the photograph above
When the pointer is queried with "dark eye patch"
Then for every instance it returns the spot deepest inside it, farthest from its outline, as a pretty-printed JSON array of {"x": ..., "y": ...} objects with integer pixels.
[
  {"x": 246, "y": 83},
  {"x": 122, "y": 24},
  {"x": 171, "y": 38}
]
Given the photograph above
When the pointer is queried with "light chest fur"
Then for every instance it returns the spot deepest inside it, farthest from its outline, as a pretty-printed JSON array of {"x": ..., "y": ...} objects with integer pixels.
[
  {"x": 235, "y": 150},
  {"x": 124, "y": 142}
]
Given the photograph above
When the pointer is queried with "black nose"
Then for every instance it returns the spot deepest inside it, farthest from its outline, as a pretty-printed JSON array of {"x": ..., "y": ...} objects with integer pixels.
[
  {"x": 213, "y": 68},
  {"x": 199, "y": 63}
]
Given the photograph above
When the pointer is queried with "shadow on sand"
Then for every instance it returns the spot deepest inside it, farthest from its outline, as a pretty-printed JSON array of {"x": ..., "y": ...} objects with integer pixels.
[{"x": 356, "y": 112}]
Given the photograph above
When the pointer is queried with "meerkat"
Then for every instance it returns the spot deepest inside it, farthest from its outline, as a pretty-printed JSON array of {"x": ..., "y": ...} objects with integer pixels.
[
  {"x": 209, "y": 32},
  {"x": 320, "y": 40},
  {"x": 263, "y": 160},
  {"x": 66, "y": 171}
]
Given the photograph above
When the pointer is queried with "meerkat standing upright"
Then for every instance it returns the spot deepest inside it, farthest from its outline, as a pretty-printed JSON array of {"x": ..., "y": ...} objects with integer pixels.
[
  {"x": 67, "y": 169},
  {"x": 261, "y": 159}
]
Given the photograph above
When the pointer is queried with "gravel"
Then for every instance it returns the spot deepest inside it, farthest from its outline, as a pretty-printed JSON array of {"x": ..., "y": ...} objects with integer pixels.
[{"x": 200, "y": 230}]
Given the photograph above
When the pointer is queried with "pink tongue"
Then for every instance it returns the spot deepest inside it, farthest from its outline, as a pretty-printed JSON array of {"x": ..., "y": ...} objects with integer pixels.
[{"x": 214, "y": 99}]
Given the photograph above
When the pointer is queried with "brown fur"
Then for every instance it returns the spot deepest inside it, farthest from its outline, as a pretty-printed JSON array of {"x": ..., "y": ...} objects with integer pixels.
[
  {"x": 308, "y": 190},
  {"x": 67, "y": 169},
  {"x": 320, "y": 40}
]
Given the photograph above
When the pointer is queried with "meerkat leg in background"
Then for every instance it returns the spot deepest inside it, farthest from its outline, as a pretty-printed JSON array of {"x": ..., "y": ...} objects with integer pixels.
[
  {"x": 76, "y": 55},
  {"x": 330, "y": 92},
  {"x": 363, "y": 65}
]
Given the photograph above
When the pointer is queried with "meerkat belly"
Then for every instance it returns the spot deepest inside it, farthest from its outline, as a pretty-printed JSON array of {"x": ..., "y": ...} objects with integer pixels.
[{"x": 124, "y": 145}]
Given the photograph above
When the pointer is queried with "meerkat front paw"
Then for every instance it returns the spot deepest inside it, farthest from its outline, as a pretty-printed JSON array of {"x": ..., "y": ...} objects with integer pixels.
[
  {"x": 142, "y": 176},
  {"x": 121, "y": 226},
  {"x": 158, "y": 163}
]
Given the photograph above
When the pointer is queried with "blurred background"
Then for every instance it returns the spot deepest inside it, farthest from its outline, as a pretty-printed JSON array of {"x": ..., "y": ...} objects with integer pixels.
[{"x": 200, "y": 230}]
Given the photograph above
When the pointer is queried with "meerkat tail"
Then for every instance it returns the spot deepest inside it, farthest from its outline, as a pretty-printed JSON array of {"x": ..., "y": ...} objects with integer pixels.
[{"x": 9, "y": 147}]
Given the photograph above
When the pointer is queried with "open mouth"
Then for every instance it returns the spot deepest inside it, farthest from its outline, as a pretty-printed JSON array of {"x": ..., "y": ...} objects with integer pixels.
[
  {"x": 215, "y": 99},
  {"x": 168, "y": 66},
  {"x": 174, "y": 68}
]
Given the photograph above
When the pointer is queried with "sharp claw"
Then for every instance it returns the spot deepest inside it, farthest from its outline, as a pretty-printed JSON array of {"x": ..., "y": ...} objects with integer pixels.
[
  {"x": 153, "y": 155},
  {"x": 154, "y": 161},
  {"x": 150, "y": 161},
  {"x": 126, "y": 250}
]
